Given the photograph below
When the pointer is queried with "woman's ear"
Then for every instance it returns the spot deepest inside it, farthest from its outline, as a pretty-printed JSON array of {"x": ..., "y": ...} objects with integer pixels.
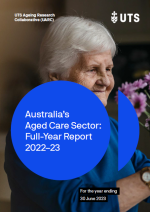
[{"x": 53, "y": 76}]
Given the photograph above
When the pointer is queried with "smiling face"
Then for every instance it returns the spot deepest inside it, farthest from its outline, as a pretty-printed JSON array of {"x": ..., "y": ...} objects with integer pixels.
[{"x": 94, "y": 71}]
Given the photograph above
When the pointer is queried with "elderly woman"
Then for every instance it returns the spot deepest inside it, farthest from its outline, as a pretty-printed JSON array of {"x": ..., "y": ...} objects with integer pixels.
[{"x": 79, "y": 50}]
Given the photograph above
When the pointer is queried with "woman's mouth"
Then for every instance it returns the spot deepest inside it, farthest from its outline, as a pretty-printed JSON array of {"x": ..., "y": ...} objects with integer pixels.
[{"x": 99, "y": 91}]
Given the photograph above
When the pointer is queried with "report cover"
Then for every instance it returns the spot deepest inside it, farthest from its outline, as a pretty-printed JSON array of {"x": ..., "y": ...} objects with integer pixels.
[{"x": 75, "y": 106}]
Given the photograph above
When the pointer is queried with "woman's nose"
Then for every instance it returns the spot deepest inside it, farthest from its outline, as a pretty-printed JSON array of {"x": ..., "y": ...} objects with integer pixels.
[{"x": 103, "y": 79}]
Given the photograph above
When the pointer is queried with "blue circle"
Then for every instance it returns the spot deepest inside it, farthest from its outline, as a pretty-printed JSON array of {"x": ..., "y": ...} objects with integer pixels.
[{"x": 60, "y": 130}]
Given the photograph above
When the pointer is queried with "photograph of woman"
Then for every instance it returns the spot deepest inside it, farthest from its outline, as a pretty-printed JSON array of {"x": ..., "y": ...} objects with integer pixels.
[{"x": 79, "y": 50}]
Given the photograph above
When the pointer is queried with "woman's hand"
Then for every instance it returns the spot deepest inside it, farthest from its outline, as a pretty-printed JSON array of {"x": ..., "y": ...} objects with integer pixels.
[{"x": 132, "y": 191}]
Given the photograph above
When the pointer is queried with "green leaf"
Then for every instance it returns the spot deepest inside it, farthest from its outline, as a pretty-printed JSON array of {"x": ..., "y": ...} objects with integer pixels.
[
  {"x": 148, "y": 104},
  {"x": 147, "y": 94},
  {"x": 143, "y": 126},
  {"x": 148, "y": 114}
]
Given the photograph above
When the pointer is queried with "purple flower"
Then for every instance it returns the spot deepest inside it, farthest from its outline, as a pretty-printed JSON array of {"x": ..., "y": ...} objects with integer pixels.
[
  {"x": 147, "y": 124},
  {"x": 116, "y": 97},
  {"x": 139, "y": 84},
  {"x": 139, "y": 103},
  {"x": 127, "y": 89},
  {"x": 147, "y": 79}
]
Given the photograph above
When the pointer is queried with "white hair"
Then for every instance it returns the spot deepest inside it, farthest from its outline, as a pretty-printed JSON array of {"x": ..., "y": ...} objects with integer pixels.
[{"x": 66, "y": 39}]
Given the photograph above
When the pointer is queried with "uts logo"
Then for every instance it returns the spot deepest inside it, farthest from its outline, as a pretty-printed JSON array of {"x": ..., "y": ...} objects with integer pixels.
[
  {"x": 114, "y": 18},
  {"x": 130, "y": 17}
]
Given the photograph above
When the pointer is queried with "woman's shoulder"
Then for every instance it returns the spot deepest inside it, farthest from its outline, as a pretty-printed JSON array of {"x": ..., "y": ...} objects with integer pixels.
[{"x": 113, "y": 122}]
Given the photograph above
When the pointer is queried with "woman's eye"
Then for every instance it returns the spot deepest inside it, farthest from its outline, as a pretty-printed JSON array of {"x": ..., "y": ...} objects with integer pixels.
[
  {"x": 92, "y": 70},
  {"x": 109, "y": 69}
]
